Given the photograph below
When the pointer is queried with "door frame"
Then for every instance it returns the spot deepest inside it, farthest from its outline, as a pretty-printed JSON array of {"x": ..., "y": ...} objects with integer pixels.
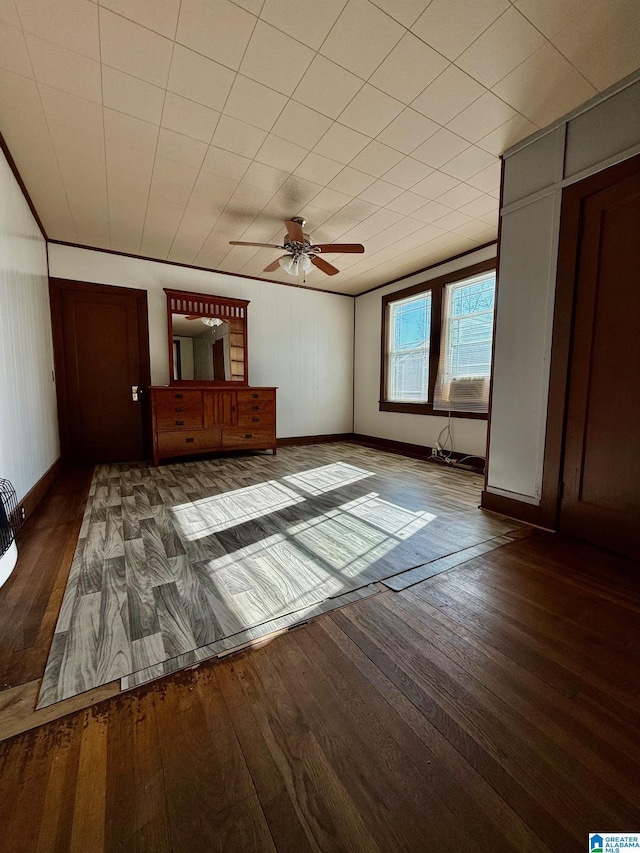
[
  {"x": 58, "y": 286},
  {"x": 573, "y": 198}
]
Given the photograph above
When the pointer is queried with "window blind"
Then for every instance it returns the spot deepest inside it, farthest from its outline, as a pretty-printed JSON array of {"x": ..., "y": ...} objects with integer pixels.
[{"x": 464, "y": 367}]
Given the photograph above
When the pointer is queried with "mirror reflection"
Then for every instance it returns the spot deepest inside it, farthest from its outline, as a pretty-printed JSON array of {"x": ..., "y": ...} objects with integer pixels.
[{"x": 206, "y": 349}]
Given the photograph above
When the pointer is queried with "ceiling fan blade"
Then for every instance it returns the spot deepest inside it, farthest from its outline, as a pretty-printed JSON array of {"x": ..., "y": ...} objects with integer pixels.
[
  {"x": 193, "y": 317},
  {"x": 262, "y": 245},
  {"x": 339, "y": 247},
  {"x": 273, "y": 266},
  {"x": 294, "y": 229},
  {"x": 323, "y": 265}
]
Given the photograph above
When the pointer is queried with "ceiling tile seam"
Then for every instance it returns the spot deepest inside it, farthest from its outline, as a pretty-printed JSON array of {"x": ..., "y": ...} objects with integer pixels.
[
  {"x": 469, "y": 45},
  {"x": 408, "y": 28},
  {"x": 367, "y": 79},
  {"x": 237, "y": 73},
  {"x": 548, "y": 43},
  {"x": 104, "y": 132},
  {"x": 454, "y": 62},
  {"x": 410, "y": 105},
  {"x": 258, "y": 17},
  {"x": 386, "y": 56},
  {"x": 435, "y": 79},
  {"x": 317, "y": 52},
  {"x": 139, "y": 24},
  {"x": 135, "y": 24},
  {"x": 553, "y": 45},
  {"x": 292, "y": 97},
  {"x": 155, "y": 153},
  {"x": 46, "y": 119}
]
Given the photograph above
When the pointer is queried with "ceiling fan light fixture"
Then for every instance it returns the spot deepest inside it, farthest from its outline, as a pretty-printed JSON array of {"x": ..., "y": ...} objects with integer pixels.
[
  {"x": 289, "y": 265},
  {"x": 211, "y": 321}
]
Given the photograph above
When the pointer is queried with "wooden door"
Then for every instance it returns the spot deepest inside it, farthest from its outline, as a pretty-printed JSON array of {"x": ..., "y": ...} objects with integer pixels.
[
  {"x": 218, "y": 360},
  {"x": 601, "y": 475},
  {"x": 101, "y": 349}
]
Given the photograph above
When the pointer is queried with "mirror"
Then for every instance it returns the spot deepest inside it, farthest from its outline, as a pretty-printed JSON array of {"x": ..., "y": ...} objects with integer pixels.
[
  {"x": 207, "y": 339},
  {"x": 201, "y": 349}
]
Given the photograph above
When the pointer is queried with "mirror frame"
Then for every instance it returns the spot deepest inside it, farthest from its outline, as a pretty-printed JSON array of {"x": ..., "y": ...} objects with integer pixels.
[{"x": 206, "y": 305}]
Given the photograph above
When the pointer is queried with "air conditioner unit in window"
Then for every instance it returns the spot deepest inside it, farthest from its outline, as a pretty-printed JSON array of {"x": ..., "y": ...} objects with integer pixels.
[{"x": 468, "y": 389}]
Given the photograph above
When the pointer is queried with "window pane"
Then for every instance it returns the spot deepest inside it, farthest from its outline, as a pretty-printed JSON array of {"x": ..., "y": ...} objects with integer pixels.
[
  {"x": 408, "y": 356},
  {"x": 470, "y": 329},
  {"x": 410, "y": 324},
  {"x": 462, "y": 382},
  {"x": 409, "y": 377}
]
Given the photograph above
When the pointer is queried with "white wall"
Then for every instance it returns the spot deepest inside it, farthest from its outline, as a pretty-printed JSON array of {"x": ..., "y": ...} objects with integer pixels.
[
  {"x": 28, "y": 420},
  {"x": 602, "y": 132},
  {"x": 469, "y": 436},
  {"x": 299, "y": 340}
]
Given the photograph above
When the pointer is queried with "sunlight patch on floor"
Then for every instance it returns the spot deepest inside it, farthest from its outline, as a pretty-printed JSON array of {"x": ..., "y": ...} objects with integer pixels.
[
  {"x": 203, "y": 517},
  {"x": 271, "y": 577},
  {"x": 316, "y": 481},
  {"x": 387, "y": 516}
]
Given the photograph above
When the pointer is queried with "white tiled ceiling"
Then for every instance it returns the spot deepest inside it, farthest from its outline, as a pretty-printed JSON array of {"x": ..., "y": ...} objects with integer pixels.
[{"x": 168, "y": 127}]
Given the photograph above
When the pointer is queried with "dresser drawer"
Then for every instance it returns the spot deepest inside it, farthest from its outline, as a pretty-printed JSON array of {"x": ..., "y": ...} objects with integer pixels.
[
  {"x": 177, "y": 397},
  {"x": 256, "y": 407},
  {"x": 261, "y": 394},
  {"x": 185, "y": 441},
  {"x": 256, "y": 420},
  {"x": 179, "y": 415},
  {"x": 248, "y": 437}
]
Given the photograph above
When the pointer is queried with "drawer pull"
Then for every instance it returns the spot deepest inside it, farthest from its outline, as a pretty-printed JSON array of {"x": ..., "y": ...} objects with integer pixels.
[
  {"x": 255, "y": 420},
  {"x": 248, "y": 435},
  {"x": 256, "y": 408},
  {"x": 178, "y": 396},
  {"x": 179, "y": 409},
  {"x": 179, "y": 423},
  {"x": 255, "y": 396},
  {"x": 189, "y": 440}
]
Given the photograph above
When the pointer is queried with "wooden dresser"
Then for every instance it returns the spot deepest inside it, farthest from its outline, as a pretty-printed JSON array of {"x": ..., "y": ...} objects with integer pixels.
[{"x": 188, "y": 420}]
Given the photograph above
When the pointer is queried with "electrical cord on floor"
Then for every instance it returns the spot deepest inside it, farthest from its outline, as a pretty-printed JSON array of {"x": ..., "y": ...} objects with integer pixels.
[{"x": 440, "y": 453}]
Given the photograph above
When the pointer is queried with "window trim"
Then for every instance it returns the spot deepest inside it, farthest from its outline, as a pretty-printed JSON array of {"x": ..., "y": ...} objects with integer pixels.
[{"x": 436, "y": 286}]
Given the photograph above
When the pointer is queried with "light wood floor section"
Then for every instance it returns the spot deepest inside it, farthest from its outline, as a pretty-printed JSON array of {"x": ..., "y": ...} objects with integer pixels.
[
  {"x": 491, "y": 708},
  {"x": 183, "y": 562}
]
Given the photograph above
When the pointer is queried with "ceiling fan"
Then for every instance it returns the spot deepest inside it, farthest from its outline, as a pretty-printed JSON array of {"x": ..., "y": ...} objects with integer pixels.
[{"x": 301, "y": 252}]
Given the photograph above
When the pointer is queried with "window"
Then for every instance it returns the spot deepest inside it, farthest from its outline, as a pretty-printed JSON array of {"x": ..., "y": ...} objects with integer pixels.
[
  {"x": 409, "y": 338},
  {"x": 464, "y": 367},
  {"x": 437, "y": 341}
]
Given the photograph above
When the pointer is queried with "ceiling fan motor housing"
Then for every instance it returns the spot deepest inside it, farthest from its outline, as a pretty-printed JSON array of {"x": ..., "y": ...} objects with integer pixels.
[{"x": 294, "y": 247}]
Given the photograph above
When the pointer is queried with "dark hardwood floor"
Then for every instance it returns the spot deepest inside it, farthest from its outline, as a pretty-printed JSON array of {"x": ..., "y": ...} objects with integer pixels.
[
  {"x": 31, "y": 599},
  {"x": 493, "y": 707}
]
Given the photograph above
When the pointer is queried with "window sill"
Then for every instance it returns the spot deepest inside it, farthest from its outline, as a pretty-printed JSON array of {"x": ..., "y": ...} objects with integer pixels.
[{"x": 427, "y": 409}]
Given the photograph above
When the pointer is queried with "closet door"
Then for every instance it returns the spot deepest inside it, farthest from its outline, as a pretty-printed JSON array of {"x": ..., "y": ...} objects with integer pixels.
[{"x": 601, "y": 478}]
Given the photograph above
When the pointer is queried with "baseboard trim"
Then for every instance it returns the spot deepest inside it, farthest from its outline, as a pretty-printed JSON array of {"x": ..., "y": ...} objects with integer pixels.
[
  {"x": 33, "y": 497},
  {"x": 403, "y": 448},
  {"x": 415, "y": 451},
  {"x": 521, "y": 511},
  {"x": 314, "y": 439}
]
